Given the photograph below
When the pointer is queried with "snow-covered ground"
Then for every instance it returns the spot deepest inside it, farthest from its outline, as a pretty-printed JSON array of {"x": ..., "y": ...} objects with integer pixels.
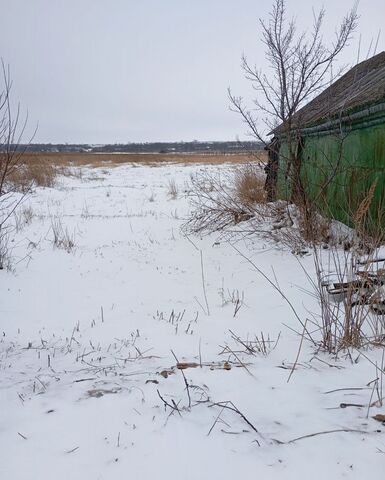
[{"x": 90, "y": 340}]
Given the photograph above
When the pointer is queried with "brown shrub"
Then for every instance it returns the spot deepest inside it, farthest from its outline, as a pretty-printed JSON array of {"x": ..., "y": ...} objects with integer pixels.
[
  {"x": 249, "y": 184},
  {"x": 27, "y": 175}
]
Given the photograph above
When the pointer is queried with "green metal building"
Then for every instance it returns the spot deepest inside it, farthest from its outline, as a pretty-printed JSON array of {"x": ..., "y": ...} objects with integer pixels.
[{"x": 340, "y": 140}]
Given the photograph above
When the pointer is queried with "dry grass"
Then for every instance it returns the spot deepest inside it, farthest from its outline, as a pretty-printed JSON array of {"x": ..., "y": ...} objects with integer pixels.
[
  {"x": 5, "y": 257},
  {"x": 42, "y": 169},
  {"x": 314, "y": 227},
  {"x": 215, "y": 206},
  {"x": 152, "y": 159},
  {"x": 31, "y": 174},
  {"x": 249, "y": 184},
  {"x": 172, "y": 189},
  {"x": 22, "y": 217},
  {"x": 62, "y": 238}
]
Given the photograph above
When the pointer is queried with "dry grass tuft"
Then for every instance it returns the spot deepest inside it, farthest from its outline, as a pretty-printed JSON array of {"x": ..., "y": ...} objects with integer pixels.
[
  {"x": 5, "y": 257},
  {"x": 365, "y": 204},
  {"x": 62, "y": 238},
  {"x": 33, "y": 174},
  {"x": 249, "y": 184},
  {"x": 215, "y": 207},
  {"x": 172, "y": 189},
  {"x": 23, "y": 217}
]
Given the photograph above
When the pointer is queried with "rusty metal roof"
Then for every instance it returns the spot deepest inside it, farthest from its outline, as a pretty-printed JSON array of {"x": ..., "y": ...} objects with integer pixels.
[{"x": 362, "y": 85}]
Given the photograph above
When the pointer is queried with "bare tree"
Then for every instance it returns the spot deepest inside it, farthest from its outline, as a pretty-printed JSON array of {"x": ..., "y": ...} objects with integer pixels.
[
  {"x": 300, "y": 65},
  {"x": 12, "y": 129}
]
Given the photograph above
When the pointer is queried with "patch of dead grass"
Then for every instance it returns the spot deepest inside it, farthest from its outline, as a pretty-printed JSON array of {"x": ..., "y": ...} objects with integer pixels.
[
  {"x": 172, "y": 189},
  {"x": 31, "y": 174},
  {"x": 152, "y": 159},
  {"x": 249, "y": 184}
]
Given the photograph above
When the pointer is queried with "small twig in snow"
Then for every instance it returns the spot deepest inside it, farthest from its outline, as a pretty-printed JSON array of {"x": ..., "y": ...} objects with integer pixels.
[
  {"x": 166, "y": 404},
  {"x": 185, "y": 381},
  {"x": 203, "y": 285},
  {"x": 326, "y": 432},
  {"x": 230, "y": 406},
  {"x": 73, "y": 450},
  {"x": 215, "y": 421},
  {"x": 343, "y": 389},
  {"x": 298, "y": 353}
]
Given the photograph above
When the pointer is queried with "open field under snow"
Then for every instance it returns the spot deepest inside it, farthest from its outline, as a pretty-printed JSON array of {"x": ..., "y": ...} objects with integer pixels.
[{"x": 89, "y": 337}]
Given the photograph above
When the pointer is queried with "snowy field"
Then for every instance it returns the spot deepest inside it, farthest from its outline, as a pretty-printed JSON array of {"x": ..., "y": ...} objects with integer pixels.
[{"x": 91, "y": 335}]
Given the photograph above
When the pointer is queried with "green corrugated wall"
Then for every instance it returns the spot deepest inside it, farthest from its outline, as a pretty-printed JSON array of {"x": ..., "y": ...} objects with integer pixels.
[{"x": 339, "y": 168}]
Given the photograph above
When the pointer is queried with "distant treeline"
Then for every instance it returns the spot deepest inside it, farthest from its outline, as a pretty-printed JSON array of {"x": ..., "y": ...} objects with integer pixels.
[{"x": 155, "y": 147}]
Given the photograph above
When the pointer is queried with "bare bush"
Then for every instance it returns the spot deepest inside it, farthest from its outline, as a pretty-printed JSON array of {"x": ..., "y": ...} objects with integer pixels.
[
  {"x": 350, "y": 293},
  {"x": 350, "y": 286},
  {"x": 12, "y": 129},
  {"x": 215, "y": 205},
  {"x": 249, "y": 182},
  {"x": 234, "y": 203}
]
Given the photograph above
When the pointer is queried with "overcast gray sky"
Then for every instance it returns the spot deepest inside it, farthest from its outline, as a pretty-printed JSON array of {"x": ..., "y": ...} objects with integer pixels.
[{"x": 105, "y": 71}]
